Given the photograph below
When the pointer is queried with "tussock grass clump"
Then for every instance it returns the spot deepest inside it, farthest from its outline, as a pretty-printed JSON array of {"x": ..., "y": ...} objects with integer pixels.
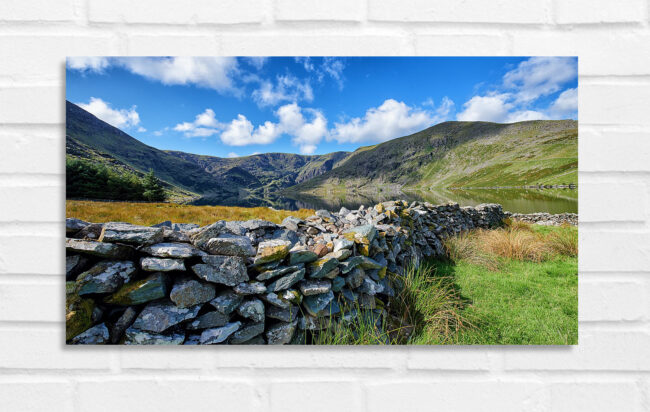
[
  {"x": 564, "y": 242},
  {"x": 152, "y": 213},
  {"x": 357, "y": 327}
]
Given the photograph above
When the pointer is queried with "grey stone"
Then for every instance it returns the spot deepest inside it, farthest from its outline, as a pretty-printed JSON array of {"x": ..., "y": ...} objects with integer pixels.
[
  {"x": 351, "y": 264},
  {"x": 74, "y": 265},
  {"x": 160, "y": 316},
  {"x": 292, "y": 223},
  {"x": 94, "y": 248},
  {"x": 270, "y": 274},
  {"x": 73, "y": 225},
  {"x": 370, "y": 287},
  {"x": 96, "y": 335},
  {"x": 135, "y": 336},
  {"x": 362, "y": 234},
  {"x": 368, "y": 263},
  {"x": 184, "y": 227},
  {"x": 252, "y": 309},
  {"x": 272, "y": 250},
  {"x": 291, "y": 295},
  {"x": 322, "y": 267},
  {"x": 247, "y": 332},
  {"x": 285, "y": 282},
  {"x": 189, "y": 292},
  {"x": 154, "y": 286},
  {"x": 230, "y": 246},
  {"x": 275, "y": 300},
  {"x": 256, "y": 224},
  {"x": 173, "y": 250},
  {"x": 286, "y": 315},
  {"x": 211, "y": 319},
  {"x": 122, "y": 324},
  {"x": 337, "y": 284},
  {"x": 227, "y": 301},
  {"x": 314, "y": 287},
  {"x": 301, "y": 254},
  {"x": 127, "y": 233},
  {"x": 315, "y": 304},
  {"x": 281, "y": 333},
  {"x": 90, "y": 232},
  {"x": 340, "y": 255},
  {"x": 152, "y": 264},
  {"x": 227, "y": 270},
  {"x": 200, "y": 236},
  {"x": 105, "y": 277},
  {"x": 218, "y": 335},
  {"x": 166, "y": 223},
  {"x": 250, "y": 288}
]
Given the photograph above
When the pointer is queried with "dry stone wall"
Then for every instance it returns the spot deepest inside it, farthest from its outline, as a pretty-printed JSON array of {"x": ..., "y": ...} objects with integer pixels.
[{"x": 248, "y": 282}]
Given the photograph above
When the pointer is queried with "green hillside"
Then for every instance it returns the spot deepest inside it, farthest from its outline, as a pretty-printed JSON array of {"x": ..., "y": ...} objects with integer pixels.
[{"x": 461, "y": 154}]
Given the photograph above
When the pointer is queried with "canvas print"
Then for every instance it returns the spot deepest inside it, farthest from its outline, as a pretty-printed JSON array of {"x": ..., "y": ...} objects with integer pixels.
[{"x": 322, "y": 200}]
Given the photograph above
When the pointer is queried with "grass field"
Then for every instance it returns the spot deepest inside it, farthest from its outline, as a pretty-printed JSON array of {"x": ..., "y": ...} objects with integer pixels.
[
  {"x": 152, "y": 213},
  {"x": 511, "y": 286}
]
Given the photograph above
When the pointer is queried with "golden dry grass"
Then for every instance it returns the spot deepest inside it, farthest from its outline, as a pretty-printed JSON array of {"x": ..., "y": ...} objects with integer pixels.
[{"x": 152, "y": 213}]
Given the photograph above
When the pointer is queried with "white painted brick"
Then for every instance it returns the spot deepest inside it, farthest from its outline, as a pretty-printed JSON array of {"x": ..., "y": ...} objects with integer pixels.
[
  {"x": 449, "y": 358},
  {"x": 39, "y": 302},
  {"x": 339, "y": 10},
  {"x": 597, "y": 350},
  {"x": 37, "y": 10},
  {"x": 321, "y": 396},
  {"x": 473, "y": 11},
  {"x": 32, "y": 254},
  {"x": 617, "y": 201},
  {"x": 49, "y": 62},
  {"x": 323, "y": 357},
  {"x": 161, "y": 358},
  {"x": 195, "y": 394},
  {"x": 23, "y": 348},
  {"x": 29, "y": 396},
  {"x": 33, "y": 104},
  {"x": 614, "y": 103},
  {"x": 460, "y": 44},
  {"x": 454, "y": 395},
  {"x": 310, "y": 44},
  {"x": 174, "y": 12},
  {"x": 595, "y": 396},
  {"x": 612, "y": 301},
  {"x": 599, "y": 11},
  {"x": 30, "y": 151},
  {"x": 172, "y": 45},
  {"x": 26, "y": 204},
  {"x": 614, "y": 151},
  {"x": 601, "y": 52},
  {"x": 613, "y": 251}
]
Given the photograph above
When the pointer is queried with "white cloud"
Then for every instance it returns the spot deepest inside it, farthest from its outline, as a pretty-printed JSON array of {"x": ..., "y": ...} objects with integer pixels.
[
  {"x": 485, "y": 108},
  {"x": 540, "y": 76},
  {"x": 256, "y": 61},
  {"x": 241, "y": 132},
  {"x": 232, "y": 155},
  {"x": 88, "y": 63},
  {"x": 141, "y": 129},
  {"x": 334, "y": 68},
  {"x": 390, "y": 120},
  {"x": 525, "y": 115},
  {"x": 161, "y": 131},
  {"x": 286, "y": 88},
  {"x": 566, "y": 104},
  {"x": 120, "y": 118},
  {"x": 205, "y": 124},
  {"x": 210, "y": 72},
  {"x": 305, "y": 133}
]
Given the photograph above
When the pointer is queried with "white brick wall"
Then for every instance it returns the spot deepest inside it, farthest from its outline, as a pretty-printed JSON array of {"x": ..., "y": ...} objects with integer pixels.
[{"x": 610, "y": 368}]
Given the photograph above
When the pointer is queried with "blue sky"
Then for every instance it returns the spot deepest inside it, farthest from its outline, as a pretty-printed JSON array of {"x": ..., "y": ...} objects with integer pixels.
[{"x": 227, "y": 106}]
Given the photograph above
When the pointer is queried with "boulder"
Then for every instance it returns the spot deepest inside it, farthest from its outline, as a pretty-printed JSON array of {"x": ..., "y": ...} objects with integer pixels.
[
  {"x": 272, "y": 250},
  {"x": 189, "y": 292},
  {"x": 227, "y": 270},
  {"x": 218, "y": 335},
  {"x": 94, "y": 248},
  {"x": 152, "y": 264},
  {"x": 154, "y": 286},
  {"x": 160, "y": 316},
  {"x": 105, "y": 277},
  {"x": 173, "y": 250},
  {"x": 121, "y": 232},
  {"x": 230, "y": 246}
]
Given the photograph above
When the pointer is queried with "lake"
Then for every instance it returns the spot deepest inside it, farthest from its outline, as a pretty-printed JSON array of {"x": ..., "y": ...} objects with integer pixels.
[{"x": 513, "y": 200}]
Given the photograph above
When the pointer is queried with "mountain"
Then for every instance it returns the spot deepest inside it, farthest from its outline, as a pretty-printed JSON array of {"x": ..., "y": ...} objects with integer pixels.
[
  {"x": 459, "y": 154},
  {"x": 92, "y": 139}
]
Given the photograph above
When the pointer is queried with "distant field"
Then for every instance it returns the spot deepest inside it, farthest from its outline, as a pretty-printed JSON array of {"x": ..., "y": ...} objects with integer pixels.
[{"x": 152, "y": 213}]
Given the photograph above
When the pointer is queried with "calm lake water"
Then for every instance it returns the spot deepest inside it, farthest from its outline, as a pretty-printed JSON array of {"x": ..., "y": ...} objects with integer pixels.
[{"x": 513, "y": 200}]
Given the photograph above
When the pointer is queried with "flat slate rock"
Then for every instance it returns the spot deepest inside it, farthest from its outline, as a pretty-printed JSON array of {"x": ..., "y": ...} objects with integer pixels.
[
  {"x": 270, "y": 274},
  {"x": 73, "y": 225},
  {"x": 281, "y": 333},
  {"x": 94, "y": 248},
  {"x": 314, "y": 286},
  {"x": 200, "y": 237},
  {"x": 322, "y": 267},
  {"x": 246, "y": 333},
  {"x": 286, "y": 315},
  {"x": 227, "y": 270},
  {"x": 230, "y": 246},
  {"x": 272, "y": 250},
  {"x": 134, "y": 336},
  {"x": 159, "y": 316},
  {"x": 97, "y": 335},
  {"x": 227, "y": 301},
  {"x": 285, "y": 282},
  {"x": 74, "y": 265},
  {"x": 252, "y": 309},
  {"x": 105, "y": 277},
  {"x": 190, "y": 292},
  {"x": 275, "y": 300},
  {"x": 218, "y": 335},
  {"x": 154, "y": 286},
  {"x": 127, "y": 233},
  {"x": 211, "y": 319},
  {"x": 172, "y": 250},
  {"x": 300, "y": 254},
  {"x": 316, "y": 304},
  {"x": 250, "y": 288},
  {"x": 153, "y": 264},
  {"x": 122, "y": 324}
]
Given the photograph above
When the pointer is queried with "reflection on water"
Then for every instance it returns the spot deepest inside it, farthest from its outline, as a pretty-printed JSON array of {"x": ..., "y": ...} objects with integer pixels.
[{"x": 513, "y": 200}]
